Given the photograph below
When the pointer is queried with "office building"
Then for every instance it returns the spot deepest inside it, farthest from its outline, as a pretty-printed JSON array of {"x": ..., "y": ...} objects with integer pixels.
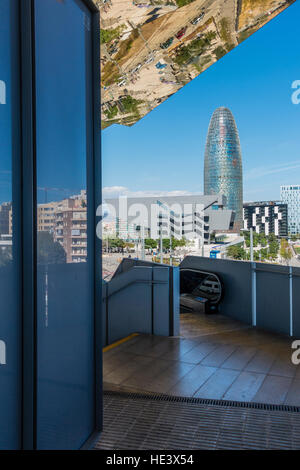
[
  {"x": 192, "y": 217},
  {"x": 223, "y": 162},
  {"x": 290, "y": 195}
]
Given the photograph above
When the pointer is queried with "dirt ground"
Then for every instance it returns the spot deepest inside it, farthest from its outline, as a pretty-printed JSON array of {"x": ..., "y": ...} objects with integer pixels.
[{"x": 251, "y": 9}]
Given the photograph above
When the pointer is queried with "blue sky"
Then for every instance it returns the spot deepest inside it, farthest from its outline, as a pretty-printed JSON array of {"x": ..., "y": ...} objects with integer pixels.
[
  {"x": 164, "y": 152},
  {"x": 5, "y": 112}
]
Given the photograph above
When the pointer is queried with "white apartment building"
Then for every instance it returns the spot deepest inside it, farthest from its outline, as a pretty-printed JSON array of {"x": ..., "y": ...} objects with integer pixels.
[
  {"x": 290, "y": 195},
  {"x": 193, "y": 216},
  {"x": 67, "y": 221},
  {"x": 266, "y": 217}
]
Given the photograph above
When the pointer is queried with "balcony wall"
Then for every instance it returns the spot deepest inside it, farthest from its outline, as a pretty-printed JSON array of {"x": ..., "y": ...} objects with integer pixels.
[
  {"x": 142, "y": 299},
  {"x": 259, "y": 294}
]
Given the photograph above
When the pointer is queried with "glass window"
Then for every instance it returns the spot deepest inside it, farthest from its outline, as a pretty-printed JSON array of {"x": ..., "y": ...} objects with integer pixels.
[
  {"x": 65, "y": 310},
  {"x": 10, "y": 293}
]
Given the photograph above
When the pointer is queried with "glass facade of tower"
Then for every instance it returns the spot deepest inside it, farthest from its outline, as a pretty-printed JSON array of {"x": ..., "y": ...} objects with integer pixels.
[
  {"x": 223, "y": 162},
  {"x": 290, "y": 195}
]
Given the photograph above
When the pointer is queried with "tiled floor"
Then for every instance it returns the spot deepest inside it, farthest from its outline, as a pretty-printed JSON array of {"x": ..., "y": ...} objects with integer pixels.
[{"x": 215, "y": 357}]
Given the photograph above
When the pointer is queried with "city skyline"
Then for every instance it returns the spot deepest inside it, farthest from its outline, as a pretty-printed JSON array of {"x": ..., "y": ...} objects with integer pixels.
[{"x": 164, "y": 152}]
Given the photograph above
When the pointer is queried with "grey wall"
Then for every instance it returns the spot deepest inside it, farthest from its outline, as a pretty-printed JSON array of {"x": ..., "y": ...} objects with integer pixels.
[
  {"x": 271, "y": 284},
  {"x": 236, "y": 280},
  {"x": 10, "y": 372},
  {"x": 128, "y": 263},
  {"x": 66, "y": 345},
  {"x": 296, "y": 301},
  {"x": 272, "y": 297},
  {"x": 141, "y": 300},
  {"x": 129, "y": 304},
  {"x": 161, "y": 301}
]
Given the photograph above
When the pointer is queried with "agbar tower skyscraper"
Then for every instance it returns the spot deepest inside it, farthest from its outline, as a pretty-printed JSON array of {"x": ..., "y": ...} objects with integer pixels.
[{"x": 223, "y": 162}]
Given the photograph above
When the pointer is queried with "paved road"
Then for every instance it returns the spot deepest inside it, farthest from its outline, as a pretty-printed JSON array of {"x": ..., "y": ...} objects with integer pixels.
[{"x": 295, "y": 262}]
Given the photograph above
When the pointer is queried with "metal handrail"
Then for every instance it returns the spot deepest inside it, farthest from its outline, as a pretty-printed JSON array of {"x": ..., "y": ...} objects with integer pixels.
[
  {"x": 137, "y": 281},
  {"x": 272, "y": 270}
]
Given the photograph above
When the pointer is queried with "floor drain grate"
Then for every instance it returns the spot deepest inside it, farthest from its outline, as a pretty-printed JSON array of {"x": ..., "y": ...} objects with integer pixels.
[
  {"x": 201, "y": 401},
  {"x": 141, "y": 421}
]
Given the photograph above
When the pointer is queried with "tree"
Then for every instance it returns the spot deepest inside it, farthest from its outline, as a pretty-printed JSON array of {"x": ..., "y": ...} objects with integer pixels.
[
  {"x": 285, "y": 250},
  {"x": 175, "y": 243},
  {"x": 264, "y": 253},
  {"x": 129, "y": 245},
  {"x": 273, "y": 250},
  {"x": 295, "y": 237},
  {"x": 272, "y": 238},
  {"x": 219, "y": 52},
  {"x": 107, "y": 35},
  {"x": 5, "y": 256},
  {"x": 264, "y": 242},
  {"x": 182, "y": 3},
  {"x": 236, "y": 252},
  {"x": 116, "y": 243},
  {"x": 179, "y": 243},
  {"x": 49, "y": 251},
  {"x": 166, "y": 243},
  {"x": 255, "y": 239},
  {"x": 150, "y": 243},
  {"x": 213, "y": 237}
]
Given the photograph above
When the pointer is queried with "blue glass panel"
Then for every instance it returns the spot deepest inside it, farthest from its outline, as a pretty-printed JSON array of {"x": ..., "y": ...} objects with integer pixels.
[
  {"x": 65, "y": 416},
  {"x": 10, "y": 319}
]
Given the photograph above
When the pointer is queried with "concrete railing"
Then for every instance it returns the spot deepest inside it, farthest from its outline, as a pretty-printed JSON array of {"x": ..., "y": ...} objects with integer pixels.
[
  {"x": 141, "y": 298},
  {"x": 259, "y": 294}
]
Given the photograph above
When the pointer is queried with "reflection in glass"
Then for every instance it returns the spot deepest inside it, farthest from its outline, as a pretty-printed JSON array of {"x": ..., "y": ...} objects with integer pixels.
[
  {"x": 10, "y": 371},
  {"x": 64, "y": 276}
]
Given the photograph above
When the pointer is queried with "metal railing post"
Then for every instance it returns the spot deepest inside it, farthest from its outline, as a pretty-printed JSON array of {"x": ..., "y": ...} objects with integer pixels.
[
  {"x": 291, "y": 299},
  {"x": 251, "y": 245},
  {"x": 253, "y": 290}
]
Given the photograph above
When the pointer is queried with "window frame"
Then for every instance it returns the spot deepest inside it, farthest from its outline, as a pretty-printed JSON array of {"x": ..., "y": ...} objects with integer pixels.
[{"x": 28, "y": 220}]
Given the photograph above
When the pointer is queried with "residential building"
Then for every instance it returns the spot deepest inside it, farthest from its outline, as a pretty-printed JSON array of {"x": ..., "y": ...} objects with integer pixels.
[
  {"x": 5, "y": 211},
  {"x": 266, "y": 217},
  {"x": 70, "y": 228},
  {"x": 46, "y": 216},
  {"x": 290, "y": 195}
]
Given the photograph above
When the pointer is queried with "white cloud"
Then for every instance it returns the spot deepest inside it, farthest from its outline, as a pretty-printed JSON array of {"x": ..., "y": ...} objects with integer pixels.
[
  {"x": 116, "y": 191},
  {"x": 259, "y": 172}
]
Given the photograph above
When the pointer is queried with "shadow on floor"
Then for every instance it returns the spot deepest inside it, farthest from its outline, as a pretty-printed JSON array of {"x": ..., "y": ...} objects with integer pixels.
[{"x": 215, "y": 357}]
